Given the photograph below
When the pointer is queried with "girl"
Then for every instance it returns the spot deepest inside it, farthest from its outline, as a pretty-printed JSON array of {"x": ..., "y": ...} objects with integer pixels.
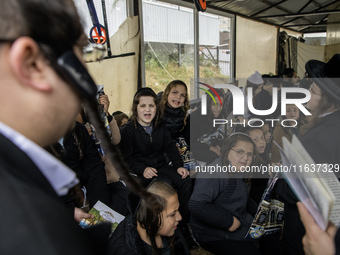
[
  {"x": 145, "y": 231},
  {"x": 145, "y": 140},
  {"x": 207, "y": 138},
  {"x": 260, "y": 183},
  {"x": 220, "y": 216},
  {"x": 293, "y": 113},
  {"x": 174, "y": 106}
]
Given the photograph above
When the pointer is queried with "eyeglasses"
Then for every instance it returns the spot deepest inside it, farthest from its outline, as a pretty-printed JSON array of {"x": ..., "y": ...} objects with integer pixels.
[
  {"x": 77, "y": 74},
  {"x": 7, "y": 40},
  {"x": 242, "y": 153}
]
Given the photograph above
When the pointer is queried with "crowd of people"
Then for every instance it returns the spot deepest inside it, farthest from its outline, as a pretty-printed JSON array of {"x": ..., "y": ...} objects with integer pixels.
[{"x": 61, "y": 156}]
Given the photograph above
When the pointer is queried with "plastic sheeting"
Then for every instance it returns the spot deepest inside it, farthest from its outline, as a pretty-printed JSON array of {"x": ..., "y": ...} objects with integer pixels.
[
  {"x": 307, "y": 52},
  {"x": 256, "y": 48}
]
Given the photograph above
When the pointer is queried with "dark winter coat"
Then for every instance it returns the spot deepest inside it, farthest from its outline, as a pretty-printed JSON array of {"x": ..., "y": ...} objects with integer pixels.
[
  {"x": 83, "y": 158},
  {"x": 141, "y": 150},
  {"x": 322, "y": 142}
]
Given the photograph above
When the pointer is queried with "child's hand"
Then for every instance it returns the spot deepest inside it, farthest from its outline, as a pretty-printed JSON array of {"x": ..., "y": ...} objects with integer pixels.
[
  {"x": 104, "y": 100},
  {"x": 79, "y": 215},
  {"x": 183, "y": 172},
  {"x": 236, "y": 225},
  {"x": 149, "y": 172},
  {"x": 216, "y": 149}
]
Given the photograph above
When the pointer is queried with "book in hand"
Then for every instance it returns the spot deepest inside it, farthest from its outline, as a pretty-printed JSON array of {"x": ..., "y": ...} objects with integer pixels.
[
  {"x": 315, "y": 185},
  {"x": 269, "y": 215},
  {"x": 102, "y": 213}
]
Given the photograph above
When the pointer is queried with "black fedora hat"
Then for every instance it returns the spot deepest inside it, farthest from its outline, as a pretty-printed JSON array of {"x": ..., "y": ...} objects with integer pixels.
[{"x": 326, "y": 75}]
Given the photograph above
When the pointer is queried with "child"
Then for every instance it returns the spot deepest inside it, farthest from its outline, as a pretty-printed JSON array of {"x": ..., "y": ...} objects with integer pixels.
[
  {"x": 259, "y": 181},
  {"x": 121, "y": 118},
  {"x": 145, "y": 140},
  {"x": 293, "y": 113},
  {"x": 174, "y": 106},
  {"x": 145, "y": 231},
  {"x": 220, "y": 217},
  {"x": 206, "y": 138}
]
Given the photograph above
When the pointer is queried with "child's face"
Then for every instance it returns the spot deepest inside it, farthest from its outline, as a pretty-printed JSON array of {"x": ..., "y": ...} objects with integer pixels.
[
  {"x": 171, "y": 217},
  {"x": 292, "y": 112},
  {"x": 177, "y": 96},
  {"x": 258, "y": 138},
  {"x": 124, "y": 121},
  {"x": 266, "y": 132},
  {"x": 241, "y": 155},
  {"x": 146, "y": 110},
  {"x": 216, "y": 109}
]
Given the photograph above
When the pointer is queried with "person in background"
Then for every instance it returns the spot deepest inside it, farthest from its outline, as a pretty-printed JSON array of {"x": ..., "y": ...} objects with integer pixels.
[
  {"x": 206, "y": 138},
  {"x": 81, "y": 155},
  {"x": 290, "y": 78},
  {"x": 121, "y": 118},
  {"x": 291, "y": 128},
  {"x": 321, "y": 141},
  {"x": 117, "y": 188},
  {"x": 34, "y": 218},
  {"x": 221, "y": 212}
]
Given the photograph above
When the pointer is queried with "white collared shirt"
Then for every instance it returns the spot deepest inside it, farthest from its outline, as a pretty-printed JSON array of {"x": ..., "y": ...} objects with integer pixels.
[{"x": 59, "y": 175}]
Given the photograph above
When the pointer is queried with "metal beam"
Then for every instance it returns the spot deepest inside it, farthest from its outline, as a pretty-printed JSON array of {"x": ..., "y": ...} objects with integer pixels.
[
  {"x": 271, "y": 6},
  {"x": 300, "y": 14}
]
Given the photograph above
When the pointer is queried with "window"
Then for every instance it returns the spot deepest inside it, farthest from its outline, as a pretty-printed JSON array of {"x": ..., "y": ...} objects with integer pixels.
[
  {"x": 168, "y": 44},
  {"x": 214, "y": 49},
  {"x": 115, "y": 14},
  {"x": 169, "y": 41}
]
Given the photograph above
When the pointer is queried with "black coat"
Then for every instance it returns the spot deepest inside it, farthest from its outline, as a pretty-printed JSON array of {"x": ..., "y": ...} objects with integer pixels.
[
  {"x": 141, "y": 150},
  {"x": 84, "y": 159},
  {"x": 322, "y": 142},
  {"x": 125, "y": 240},
  {"x": 34, "y": 219},
  {"x": 203, "y": 135}
]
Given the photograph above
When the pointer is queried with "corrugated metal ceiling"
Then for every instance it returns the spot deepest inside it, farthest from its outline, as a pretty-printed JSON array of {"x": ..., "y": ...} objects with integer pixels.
[{"x": 304, "y": 16}]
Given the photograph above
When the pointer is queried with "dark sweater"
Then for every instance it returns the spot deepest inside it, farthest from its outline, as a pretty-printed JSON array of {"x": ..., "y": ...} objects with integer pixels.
[
  {"x": 141, "y": 150},
  {"x": 213, "y": 204}
]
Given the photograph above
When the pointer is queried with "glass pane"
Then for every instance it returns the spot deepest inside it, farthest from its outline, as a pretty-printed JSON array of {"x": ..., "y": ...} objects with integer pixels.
[
  {"x": 115, "y": 14},
  {"x": 168, "y": 44},
  {"x": 214, "y": 49}
]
